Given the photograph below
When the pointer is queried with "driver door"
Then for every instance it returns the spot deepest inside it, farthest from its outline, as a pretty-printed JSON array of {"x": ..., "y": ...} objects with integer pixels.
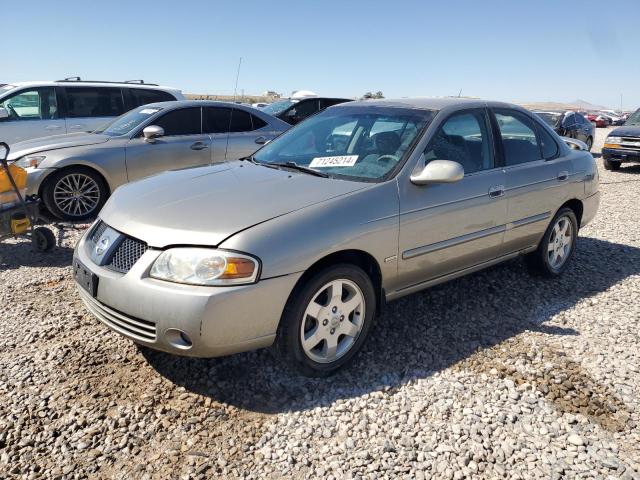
[
  {"x": 33, "y": 113},
  {"x": 445, "y": 228},
  {"x": 182, "y": 145}
]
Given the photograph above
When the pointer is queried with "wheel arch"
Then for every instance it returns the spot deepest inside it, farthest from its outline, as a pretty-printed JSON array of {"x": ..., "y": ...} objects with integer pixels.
[
  {"x": 359, "y": 258},
  {"x": 72, "y": 166},
  {"x": 575, "y": 205}
]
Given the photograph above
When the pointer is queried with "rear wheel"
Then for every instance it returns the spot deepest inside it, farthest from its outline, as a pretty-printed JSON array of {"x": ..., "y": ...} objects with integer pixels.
[
  {"x": 327, "y": 320},
  {"x": 589, "y": 143},
  {"x": 611, "y": 164},
  {"x": 557, "y": 245},
  {"x": 76, "y": 193}
]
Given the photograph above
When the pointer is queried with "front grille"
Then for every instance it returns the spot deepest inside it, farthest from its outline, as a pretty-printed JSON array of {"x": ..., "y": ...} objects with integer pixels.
[
  {"x": 132, "y": 327},
  {"x": 126, "y": 255}
]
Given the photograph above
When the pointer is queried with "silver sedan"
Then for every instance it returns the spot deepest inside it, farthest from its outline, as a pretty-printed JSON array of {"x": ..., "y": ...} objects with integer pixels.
[
  {"x": 300, "y": 245},
  {"x": 75, "y": 173}
]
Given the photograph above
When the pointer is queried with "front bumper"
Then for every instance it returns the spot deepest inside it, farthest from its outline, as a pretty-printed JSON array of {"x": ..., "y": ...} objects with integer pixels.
[
  {"x": 621, "y": 154},
  {"x": 35, "y": 177},
  {"x": 218, "y": 320}
]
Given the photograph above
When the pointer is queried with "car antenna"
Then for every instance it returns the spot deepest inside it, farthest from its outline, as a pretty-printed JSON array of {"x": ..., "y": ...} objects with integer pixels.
[
  {"x": 235, "y": 90},
  {"x": 459, "y": 93}
]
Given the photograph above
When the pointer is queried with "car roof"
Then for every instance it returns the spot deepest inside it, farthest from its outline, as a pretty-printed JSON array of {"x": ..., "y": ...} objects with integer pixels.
[
  {"x": 201, "y": 103},
  {"x": 73, "y": 83},
  {"x": 435, "y": 103}
]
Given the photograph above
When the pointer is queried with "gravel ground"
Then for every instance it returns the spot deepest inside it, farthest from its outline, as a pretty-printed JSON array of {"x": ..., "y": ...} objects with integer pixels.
[{"x": 494, "y": 375}]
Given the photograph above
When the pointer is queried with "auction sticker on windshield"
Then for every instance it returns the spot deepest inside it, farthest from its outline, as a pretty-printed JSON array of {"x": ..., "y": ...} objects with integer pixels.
[{"x": 339, "y": 161}]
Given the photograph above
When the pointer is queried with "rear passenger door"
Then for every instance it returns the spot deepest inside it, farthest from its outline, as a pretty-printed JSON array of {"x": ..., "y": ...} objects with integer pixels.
[
  {"x": 183, "y": 145},
  {"x": 535, "y": 174},
  {"x": 88, "y": 108},
  {"x": 235, "y": 133}
]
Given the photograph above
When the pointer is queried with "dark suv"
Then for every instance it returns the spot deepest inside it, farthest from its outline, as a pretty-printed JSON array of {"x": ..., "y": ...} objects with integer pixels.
[
  {"x": 623, "y": 143},
  {"x": 294, "y": 111},
  {"x": 570, "y": 124}
]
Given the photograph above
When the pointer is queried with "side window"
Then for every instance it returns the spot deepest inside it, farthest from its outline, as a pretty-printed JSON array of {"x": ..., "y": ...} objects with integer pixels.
[
  {"x": 328, "y": 102},
  {"x": 549, "y": 146},
  {"x": 222, "y": 120},
  {"x": 463, "y": 138},
  {"x": 519, "y": 141},
  {"x": 142, "y": 96},
  {"x": 257, "y": 122},
  {"x": 35, "y": 104},
  {"x": 306, "y": 108},
  {"x": 185, "y": 121},
  {"x": 94, "y": 102},
  {"x": 569, "y": 121}
]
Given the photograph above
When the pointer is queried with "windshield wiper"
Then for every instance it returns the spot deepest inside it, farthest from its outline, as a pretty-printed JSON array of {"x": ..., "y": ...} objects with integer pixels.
[{"x": 301, "y": 168}]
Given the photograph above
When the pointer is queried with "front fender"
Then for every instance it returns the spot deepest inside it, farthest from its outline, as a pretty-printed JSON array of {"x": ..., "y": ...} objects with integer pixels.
[{"x": 365, "y": 220}]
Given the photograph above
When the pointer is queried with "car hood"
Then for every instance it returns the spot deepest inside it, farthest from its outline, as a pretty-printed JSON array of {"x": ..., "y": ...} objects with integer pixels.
[
  {"x": 206, "y": 205},
  {"x": 626, "y": 131},
  {"x": 55, "y": 142}
]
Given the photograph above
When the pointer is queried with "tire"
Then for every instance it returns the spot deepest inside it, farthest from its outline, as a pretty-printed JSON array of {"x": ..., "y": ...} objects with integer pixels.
[
  {"x": 552, "y": 256},
  {"x": 611, "y": 164},
  {"x": 43, "y": 239},
  {"x": 589, "y": 143},
  {"x": 60, "y": 193},
  {"x": 335, "y": 320}
]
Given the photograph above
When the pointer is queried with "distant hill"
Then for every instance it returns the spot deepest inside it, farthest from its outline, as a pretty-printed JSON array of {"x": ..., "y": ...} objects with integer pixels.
[{"x": 553, "y": 106}]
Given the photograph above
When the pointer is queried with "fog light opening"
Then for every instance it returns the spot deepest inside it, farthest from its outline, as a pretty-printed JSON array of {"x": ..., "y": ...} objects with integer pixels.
[{"x": 178, "y": 339}]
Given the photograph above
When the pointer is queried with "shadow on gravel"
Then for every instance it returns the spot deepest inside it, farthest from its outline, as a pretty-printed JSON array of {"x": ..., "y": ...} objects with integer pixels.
[
  {"x": 21, "y": 254},
  {"x": 416, "y": 336}
]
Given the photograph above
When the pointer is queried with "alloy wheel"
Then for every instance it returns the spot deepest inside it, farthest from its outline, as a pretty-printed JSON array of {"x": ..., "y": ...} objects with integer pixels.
[
  {"x": 332, "y": 321},
  {"x": 560, "y": 242},
  {"x": 76, "y": 194}
]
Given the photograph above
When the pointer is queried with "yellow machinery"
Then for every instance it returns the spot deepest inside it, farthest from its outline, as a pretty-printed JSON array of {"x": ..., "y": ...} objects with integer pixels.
[{"x": 18, "y": 214}]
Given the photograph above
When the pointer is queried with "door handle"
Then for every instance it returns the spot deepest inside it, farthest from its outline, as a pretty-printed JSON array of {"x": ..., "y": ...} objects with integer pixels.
[
  {"x": 261, "y": 140},
  {"x": 53, "y": 127},
  {"x": 562, "y": 176},
  {"x": 199, "y": 146},
  {"x": 496, "y": 191},
  {"x": 75, "y": 127}
]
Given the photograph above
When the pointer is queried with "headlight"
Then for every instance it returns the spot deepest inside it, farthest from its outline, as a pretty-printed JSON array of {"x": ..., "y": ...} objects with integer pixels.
[
  {"x": 205, "y": 266},
  {"x": 616, "y": 140},
  {"x": 30, "y": 161}
]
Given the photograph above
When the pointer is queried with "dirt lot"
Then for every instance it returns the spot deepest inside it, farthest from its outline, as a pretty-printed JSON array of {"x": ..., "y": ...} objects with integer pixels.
[{"x": 498, "y": 374}]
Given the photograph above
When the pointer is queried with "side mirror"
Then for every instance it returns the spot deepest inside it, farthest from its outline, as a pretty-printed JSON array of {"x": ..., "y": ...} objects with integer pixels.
[
  {"x": 438, "y": 171},
  {"x": 4, "y": 151},
  {"x": 4, "y": 113},
  {"x": 575, "y": 144},
  {"x": 152, "y": 132}
]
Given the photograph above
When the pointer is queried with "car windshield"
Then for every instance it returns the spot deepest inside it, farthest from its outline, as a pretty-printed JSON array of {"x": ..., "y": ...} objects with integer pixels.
[
  {"x": 358, "y": 143},
  {"x": 634, "y": 118},
  {"x": 552, "y": 119},
  {"x": 127, "y": 122},
  {"x": 278, "y": 107}
]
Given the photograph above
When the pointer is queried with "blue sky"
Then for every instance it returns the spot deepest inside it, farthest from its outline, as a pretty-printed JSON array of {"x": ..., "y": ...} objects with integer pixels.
[{"x": 539, "y": 50}]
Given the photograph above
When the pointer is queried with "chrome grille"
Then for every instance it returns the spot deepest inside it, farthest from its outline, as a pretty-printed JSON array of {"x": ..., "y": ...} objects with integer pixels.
[{"x": 126, "y": 255}]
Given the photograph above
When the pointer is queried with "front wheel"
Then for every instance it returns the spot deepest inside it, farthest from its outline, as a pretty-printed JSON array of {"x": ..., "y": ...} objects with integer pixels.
[
  {"x": 611, "y": 164},
  {"x": 327, "y": 320},
  {"x": 76, "y": 193},
  {"x": 557, "y": 245},
  {"x": 589, "y": 143}
]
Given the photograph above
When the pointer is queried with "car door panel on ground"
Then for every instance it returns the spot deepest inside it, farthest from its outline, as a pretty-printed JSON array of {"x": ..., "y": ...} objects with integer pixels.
[
  {"x": 234, "y": 132},
  {"x": 449, "y": 227},
  {"x": 534, "y": 169},
  {"x": 33, "y": 113},
  {"x": 182, "y": 145}
]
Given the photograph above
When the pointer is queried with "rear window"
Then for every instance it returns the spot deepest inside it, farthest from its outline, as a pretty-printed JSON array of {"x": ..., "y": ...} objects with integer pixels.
[
  {"x": 223, "y": 120},
  {"x": 140, "y": 96},
  {"x": 94, "y": 102}
]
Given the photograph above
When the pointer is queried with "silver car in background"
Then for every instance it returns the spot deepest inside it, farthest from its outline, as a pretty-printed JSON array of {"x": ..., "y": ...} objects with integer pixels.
[
  {"x": 301, "y": 244},
  {"x": 74, "y": 174}
]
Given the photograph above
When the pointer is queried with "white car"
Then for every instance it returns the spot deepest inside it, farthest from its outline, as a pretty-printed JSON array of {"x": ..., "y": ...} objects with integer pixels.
[{"x": 31, "y": 110}]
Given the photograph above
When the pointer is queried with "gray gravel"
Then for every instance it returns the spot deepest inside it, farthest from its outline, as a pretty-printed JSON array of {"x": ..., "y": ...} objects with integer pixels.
[{"x": 497, "y": 375}]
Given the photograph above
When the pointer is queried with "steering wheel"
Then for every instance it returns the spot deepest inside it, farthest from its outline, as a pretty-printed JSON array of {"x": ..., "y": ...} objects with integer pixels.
[
  {"x": 12, "y": 112},
  {"x": 386, "y": 158}
]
